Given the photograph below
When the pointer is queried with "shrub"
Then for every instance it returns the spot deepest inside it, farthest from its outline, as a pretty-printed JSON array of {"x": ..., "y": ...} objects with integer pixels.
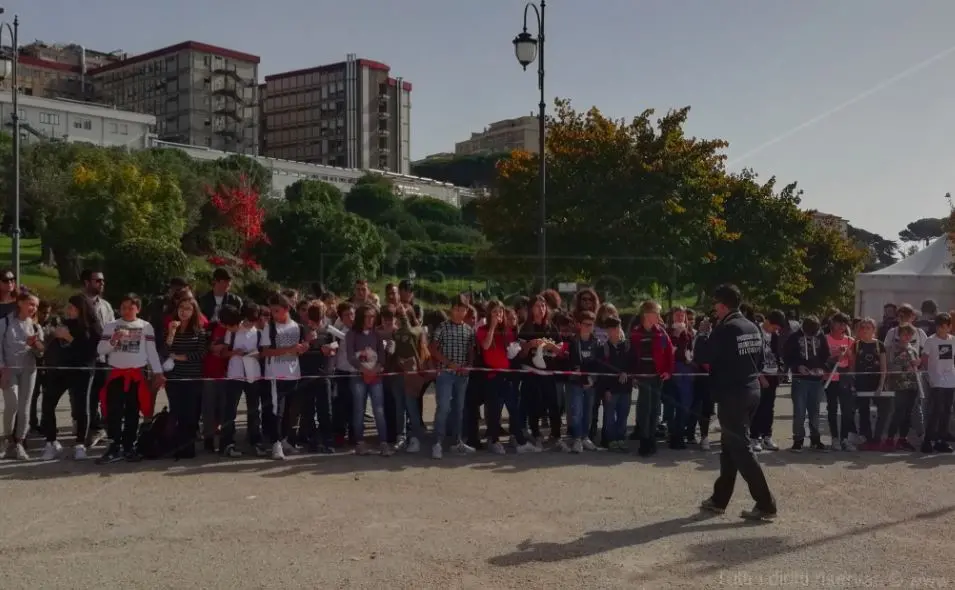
[{"x": 143, "y": 266}]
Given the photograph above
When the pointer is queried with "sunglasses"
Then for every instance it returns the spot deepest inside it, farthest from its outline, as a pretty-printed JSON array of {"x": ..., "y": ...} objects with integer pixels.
[{"x": 9, "y": 279}]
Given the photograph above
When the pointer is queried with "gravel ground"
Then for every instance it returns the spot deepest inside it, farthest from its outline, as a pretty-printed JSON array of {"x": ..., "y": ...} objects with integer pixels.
[{"x": 598, "y": 520}]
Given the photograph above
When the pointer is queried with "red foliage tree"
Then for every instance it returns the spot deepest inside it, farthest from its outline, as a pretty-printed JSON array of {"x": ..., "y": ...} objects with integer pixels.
[{"x": 242, "y": 213}]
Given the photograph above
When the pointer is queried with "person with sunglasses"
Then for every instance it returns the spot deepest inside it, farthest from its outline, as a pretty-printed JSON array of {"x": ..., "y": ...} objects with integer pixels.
[
  {"x": 8, "y": 292},
  {"x": 93, "y": 285}
]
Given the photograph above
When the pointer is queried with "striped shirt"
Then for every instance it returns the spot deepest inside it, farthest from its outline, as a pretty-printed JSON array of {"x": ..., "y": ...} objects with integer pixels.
[{"x": 195, "y": 346}]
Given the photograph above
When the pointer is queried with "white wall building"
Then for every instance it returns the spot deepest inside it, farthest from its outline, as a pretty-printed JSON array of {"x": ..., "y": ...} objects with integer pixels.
[{"x": 67, "y": 120}]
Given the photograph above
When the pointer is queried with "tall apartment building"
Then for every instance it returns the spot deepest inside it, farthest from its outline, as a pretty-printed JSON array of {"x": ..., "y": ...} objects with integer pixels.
[
  {"x": 351, "y": 114},
  {"x": 200, "y": 94},
  {"x": 522, "y": 133},
  {"x": 50, "y": 70}
]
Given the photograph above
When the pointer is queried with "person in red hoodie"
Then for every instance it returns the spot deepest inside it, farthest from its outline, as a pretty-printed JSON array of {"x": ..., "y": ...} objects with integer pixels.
[{"x": 654, "y": 358}]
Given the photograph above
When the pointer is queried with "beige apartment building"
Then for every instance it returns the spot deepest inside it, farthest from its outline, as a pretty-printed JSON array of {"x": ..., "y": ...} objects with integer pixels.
[
  {"x": 522, "y": 133},
  {"x": 201, "y": 94},
  {"x": 351, "y": 114}
]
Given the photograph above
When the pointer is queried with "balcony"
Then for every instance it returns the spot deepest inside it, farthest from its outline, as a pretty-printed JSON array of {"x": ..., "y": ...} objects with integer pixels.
[
  {"x": 383, "y": 115},
  {"x": 228, "y": 109},
  {"x": 382, "y": 132}
]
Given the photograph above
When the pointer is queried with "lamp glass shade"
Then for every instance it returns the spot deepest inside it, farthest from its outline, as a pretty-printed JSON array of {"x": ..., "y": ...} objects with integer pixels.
[
  {"x": 6, "y": 68},
  {"x": 525, "y": 48}
]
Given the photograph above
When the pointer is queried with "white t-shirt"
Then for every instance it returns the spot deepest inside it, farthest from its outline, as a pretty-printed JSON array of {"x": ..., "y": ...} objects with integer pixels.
[
  {"x": 215, "y": 312},
  {"x": 941, "y": 361},
  {"x": 287, "y": 366},
  {"x": 244, "y": 367},
  {"x": 341, "y": 359}
]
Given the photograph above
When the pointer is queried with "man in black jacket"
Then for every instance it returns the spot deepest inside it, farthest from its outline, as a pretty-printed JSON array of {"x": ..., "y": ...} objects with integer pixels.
[
  {"x": 734, "y": 355},
  {"x": 212, "y": 302}
]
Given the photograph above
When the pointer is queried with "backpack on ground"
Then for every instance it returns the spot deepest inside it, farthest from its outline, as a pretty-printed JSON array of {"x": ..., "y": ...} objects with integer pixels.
[{"x": 157, "y": 437}]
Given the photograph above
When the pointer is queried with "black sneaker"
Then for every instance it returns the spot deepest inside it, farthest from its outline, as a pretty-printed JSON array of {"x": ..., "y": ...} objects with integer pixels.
[
  {"x": 905, "y": 445},
  {"x": 209, "y": 445},
  {"x": 927, "y": 447},
  {"x": 817, "y": 445},
  {"x": 758, "y": 515},
  {"x": 262, "y": 451},
  {"x": 797, "y": 446},
  {"x": 677, "y": 444},
  {"x": 710, "y": 506},
  {"x": 132, "y": 456},
  {"x": 112, "y": 455},
  {"x": 231, "y": 452},
  {"x": 647, "y": 448},
  {"x": 943, "y": 447}
]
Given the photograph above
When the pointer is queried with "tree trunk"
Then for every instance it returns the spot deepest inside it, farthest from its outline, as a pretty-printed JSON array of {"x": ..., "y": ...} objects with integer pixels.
[
  {"x": 66, "y": 265},
  {"x": 46, "y": 254}
]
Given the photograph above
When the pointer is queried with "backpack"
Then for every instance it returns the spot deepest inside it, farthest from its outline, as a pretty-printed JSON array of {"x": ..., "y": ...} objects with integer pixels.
[
  {"x": 157, "y": 437},
  {"x": 273, "y": 333}
]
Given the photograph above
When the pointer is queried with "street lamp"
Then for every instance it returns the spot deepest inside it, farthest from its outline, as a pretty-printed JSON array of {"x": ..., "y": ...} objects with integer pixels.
[
  {"x": 527, "y": 48},
  {"x": 8, "y": 69}
]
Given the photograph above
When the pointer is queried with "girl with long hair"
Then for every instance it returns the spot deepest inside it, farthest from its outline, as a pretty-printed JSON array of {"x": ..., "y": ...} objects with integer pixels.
[
  {"x": 187, "y": 345},
  {"x": 21, "y": 342},
  {"x": 538, "y": 337},
  {"x": 366, "y": 353},
  {"x": 73, "y": 352}
]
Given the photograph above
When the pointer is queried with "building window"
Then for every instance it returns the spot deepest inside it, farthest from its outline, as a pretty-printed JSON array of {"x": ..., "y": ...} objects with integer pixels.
[
  {"x": 21, "y": 114},
  {"x": 49, "y": 119},
  {"x": 124, "y": 129},
  {"x": 113, "y": 128},
  {"x": 82, "y": 124}
]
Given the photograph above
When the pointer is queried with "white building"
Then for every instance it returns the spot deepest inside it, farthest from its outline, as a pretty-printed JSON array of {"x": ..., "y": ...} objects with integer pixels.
[
  {"x": 67, "y": 120},
  {"x": 287, "y": 172}
]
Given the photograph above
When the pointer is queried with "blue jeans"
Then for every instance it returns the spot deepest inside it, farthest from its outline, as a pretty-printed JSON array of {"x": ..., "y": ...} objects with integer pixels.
[
  {"x": 579, "y": 407},
  {"x": 407, "y": 409},
  {"x": 807, "y": 394},
  {"x": 449, "y": 392},
  {"x": 360, "y": 392},
  {"x": 616, "y": 412}
]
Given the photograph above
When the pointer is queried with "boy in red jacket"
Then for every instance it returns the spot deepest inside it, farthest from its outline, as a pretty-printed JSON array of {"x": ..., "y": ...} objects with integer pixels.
[{"x": 654, "y": 360}]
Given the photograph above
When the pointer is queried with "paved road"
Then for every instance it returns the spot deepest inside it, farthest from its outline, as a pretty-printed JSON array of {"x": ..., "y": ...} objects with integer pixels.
[{"x": 534, "y": 521}]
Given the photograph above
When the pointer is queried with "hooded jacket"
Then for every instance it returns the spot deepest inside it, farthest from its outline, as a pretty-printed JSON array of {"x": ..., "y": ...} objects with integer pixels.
[
  {"x": 810, "y": 351},
  {"x": 734, "y": 355}
]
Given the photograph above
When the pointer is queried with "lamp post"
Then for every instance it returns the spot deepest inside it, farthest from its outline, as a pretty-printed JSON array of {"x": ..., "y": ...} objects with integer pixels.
[
  {"x": 8, "y": 68},
  {"x": 527, "y": 48}
]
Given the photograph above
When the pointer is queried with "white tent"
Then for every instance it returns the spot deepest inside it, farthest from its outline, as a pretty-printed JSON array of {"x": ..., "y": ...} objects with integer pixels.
[{"x": 927, "y": 274}]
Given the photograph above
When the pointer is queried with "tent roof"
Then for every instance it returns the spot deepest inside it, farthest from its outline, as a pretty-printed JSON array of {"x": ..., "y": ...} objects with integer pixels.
[{"x": 935, "y": 260}]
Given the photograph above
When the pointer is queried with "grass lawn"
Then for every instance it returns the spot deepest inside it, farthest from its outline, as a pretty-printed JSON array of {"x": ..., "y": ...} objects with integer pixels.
[{"x": 39, "y": 278}]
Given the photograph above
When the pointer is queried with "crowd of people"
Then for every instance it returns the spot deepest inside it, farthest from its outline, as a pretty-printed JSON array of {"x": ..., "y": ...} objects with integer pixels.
[{"x": 308, "y": 366}]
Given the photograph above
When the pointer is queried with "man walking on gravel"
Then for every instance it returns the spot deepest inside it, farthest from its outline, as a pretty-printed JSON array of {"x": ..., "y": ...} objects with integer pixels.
[{"x": 734, "y": 355}]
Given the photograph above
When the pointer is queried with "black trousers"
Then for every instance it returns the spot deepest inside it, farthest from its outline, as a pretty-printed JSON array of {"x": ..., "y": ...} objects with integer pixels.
[
  {"x": 841, "y": 410},
  {"x": 316, "y": 398},
  {"x": 391, "y": 414},
  {"x": 99, "y": 379},
  {"x": 183, "y": 408},
  {"x": 473, "y": 400},
  {"x": 234, "y": 389},
  {"x": 735, "y": 411},
  {"x": 902, "y": 416},
  {"x": 702, "y": 409},
  {"x": 762, "y": 425},
  {"x": 276, "y": 418},
  {"x": 341, "y": 406},
  {"x": 79, "y": 382},
  {"x": 122, "y": 413},
  {"x": 883, "y": 408},
  {"x": 539, "y": 398},
  {"x": 938, "y": 414}
]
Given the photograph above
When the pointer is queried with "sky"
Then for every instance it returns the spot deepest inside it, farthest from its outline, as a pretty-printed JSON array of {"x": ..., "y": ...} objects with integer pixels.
[{"x": 850, "y": 98}]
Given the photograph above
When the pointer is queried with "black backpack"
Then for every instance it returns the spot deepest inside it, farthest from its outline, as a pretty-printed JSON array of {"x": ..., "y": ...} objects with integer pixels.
[{"x": 157, "y": 437}]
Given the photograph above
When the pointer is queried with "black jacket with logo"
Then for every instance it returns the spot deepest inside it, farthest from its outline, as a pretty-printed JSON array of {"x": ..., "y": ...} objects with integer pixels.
[{"x": 734, "y": 355}]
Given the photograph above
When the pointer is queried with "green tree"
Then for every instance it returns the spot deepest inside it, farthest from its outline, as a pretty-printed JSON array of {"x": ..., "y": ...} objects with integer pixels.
[
  {"x": 623, "y": 198},
  {"x": 923, "y": 230},
  {"x": 881, "y": 252},
  {"x": 472, "y": 170},
  {"x": 311, "y": 191},
  {"x": 372, "y": 197},
  {"x": 143, "y": 265},
  {"x": 312, "y": 240},
  {"x": 761, "y": 250},
  {"x": 832, "y": 262},
  {"x": 430, "y": 209}
]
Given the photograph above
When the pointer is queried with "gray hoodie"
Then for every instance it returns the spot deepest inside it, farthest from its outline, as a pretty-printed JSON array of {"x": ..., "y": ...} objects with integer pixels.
[{"x": 15, "y": 353}]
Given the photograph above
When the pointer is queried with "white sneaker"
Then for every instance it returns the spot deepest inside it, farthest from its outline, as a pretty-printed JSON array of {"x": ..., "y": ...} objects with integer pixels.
[
  {"x": 278, "y": 453},
  {"x": 79, "y": 453},
  {"x": 848, "y": 446},
  {"x": 386, "y": 450},
  {"x": 562, "y": 447},
  {"x": 362, "y": 449},
  {"x": 497, "y": 448},
  {"x": 51, "y": 451},
  {"x": 288, "y": 448},
  {"x": 413, "y": 446},
  {"x": 577, "y": 447},
  {"x": 538, "y": 442},
  {"x": 462, "y": 449},
  {"x": 97, "y": 437},
  {"x": 21, "y": 453},
  {"x": 754, "y": 443},
  {"x": 437, "y": 451},
  {"x": 402, "y": 444},
  {"x": 705, "y": 443},
  {"x": 527, "y": 448},
  {"x": 6, "y": 450},
  {"x": 589, "y": 445}
]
